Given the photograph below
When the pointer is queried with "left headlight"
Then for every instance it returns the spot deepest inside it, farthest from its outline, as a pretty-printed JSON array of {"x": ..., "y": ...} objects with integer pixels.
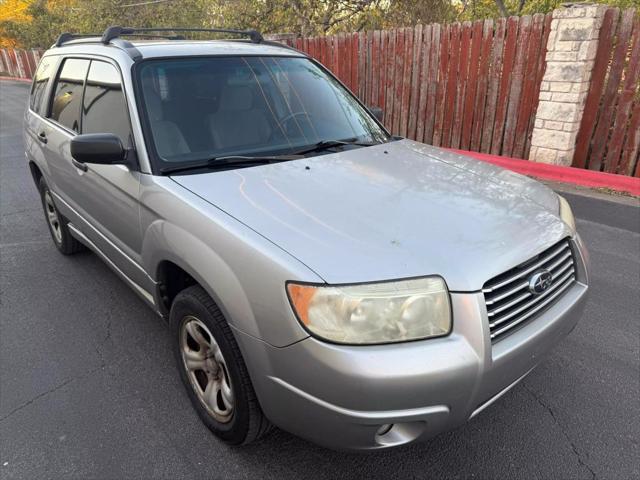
[
  {"x": 374, "y": 313},
  {"x": 566, "y": 214}
]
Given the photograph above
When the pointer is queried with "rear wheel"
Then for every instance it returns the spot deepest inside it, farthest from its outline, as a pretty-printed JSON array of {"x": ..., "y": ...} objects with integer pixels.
[
  {"x": 60, "y": 234},
  {"x": 213, "y": 369}
]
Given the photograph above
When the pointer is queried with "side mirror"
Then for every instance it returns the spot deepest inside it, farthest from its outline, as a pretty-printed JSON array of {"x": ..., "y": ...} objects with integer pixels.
[
  {"x": 101, "y": 148},
  {"x": 377, "y": 112}
]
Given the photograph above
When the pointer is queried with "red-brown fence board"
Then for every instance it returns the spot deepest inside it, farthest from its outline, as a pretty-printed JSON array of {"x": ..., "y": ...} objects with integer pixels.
[
  {"x": 526, "y": 95},
  {"x": 481, "y": 94},
  {"x": 472, "y": 84},
  {"x": 390, "y": 67},
  {"x": 397, "y": 81},
  {"x": 441, "y": 85},
  {"x": 419, "y": 104},
  {"x": 625, "y": 102},
  {"x": 631, "y": 151},
  {"x": 414, "y": 92},
  {"x": 355, "y": 52},
  {"x": 509, "y": 55},
  {"x": 364, "y": 58},
  {"x": 432, "y": 82},
  {"x": 611, "y": 91},
  {"x": 495, "y": 71},
  {"x": 408, "y": 66},
  {"x": 461, "y": 84},
  {"x": 382, "y": 81},
  {"x": 609, "y": 131},
  {"x": 452, "y": 85},
  {"x": 598, "y": 76}
]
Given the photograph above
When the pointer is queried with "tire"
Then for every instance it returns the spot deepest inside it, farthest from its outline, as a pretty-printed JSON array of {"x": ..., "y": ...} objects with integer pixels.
[
  {"x": 200, "y": 330},
  {"x": 57, "y": 223}
]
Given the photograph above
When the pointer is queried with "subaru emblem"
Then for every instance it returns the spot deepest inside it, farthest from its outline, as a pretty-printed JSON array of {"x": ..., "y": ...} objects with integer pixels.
[{"x": 540, "y": 281}]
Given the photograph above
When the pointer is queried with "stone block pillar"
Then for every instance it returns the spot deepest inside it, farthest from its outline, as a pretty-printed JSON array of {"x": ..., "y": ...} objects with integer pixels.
[{"x": 571, "y": 50}]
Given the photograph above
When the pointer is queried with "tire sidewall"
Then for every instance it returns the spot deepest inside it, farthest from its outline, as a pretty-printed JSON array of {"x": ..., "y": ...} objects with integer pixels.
[
  {"x": 235, "y": 431},
  {"x": 44, "y": 188}
]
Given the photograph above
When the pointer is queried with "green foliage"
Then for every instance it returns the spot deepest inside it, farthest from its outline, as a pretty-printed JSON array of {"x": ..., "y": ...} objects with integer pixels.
[
  {"x": 478, "y": 9},
  {"x": 40, "y": 30}
]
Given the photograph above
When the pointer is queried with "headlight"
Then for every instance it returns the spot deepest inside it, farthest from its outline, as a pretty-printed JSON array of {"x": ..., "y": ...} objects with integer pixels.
[
  {"x": 374, "y": 313},
  {"x": 566, "y": 214}
]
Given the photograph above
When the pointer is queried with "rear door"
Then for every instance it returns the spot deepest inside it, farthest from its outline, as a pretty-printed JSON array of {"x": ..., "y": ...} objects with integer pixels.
[
  {"x": 88, "y": 98},
  {"x": 35, "y": 124}
]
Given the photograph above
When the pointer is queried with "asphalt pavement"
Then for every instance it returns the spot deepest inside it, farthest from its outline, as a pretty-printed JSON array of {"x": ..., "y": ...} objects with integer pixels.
[{"x": 89, "y": 389}]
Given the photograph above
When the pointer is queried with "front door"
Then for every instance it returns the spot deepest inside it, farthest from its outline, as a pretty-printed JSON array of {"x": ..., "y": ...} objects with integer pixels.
[{"x": 88, "y": 98}]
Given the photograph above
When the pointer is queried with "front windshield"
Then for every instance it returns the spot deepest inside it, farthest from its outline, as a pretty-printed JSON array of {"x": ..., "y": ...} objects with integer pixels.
[{"x": 203, "y": 108}]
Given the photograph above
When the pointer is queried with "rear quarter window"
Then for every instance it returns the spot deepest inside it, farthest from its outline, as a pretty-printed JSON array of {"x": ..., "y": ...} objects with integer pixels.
[
  {"x": 67, "y": 97},
  {"x": 39, "y": 86}
]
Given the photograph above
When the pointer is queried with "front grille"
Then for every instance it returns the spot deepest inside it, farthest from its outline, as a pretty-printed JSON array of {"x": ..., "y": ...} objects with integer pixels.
[{"x": 509, "y": 301}]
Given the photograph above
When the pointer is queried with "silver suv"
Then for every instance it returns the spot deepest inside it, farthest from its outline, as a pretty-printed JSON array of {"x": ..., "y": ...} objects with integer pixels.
[{"x": 354, "y": 288}]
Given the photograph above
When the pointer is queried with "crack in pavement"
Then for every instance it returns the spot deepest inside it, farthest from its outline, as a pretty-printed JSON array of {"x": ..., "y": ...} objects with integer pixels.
[
  {"x": 22, "y": 244},
  {"x": 20, "y": 212},
  {"x": 574, "y": 448},
  {"x": 52, "y": 390}
]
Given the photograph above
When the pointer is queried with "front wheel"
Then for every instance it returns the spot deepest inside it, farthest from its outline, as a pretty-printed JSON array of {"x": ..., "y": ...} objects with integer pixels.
[{"x": 213, "y": 370}]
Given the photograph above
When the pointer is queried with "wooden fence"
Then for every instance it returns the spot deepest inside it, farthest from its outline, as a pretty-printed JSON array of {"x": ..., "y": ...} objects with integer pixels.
[
  {"x": 475, "y": 86},
  {"x": 19, "y": 63},
  {"x": 472, "y": 86},
  {"x": 609, "y": 135}
]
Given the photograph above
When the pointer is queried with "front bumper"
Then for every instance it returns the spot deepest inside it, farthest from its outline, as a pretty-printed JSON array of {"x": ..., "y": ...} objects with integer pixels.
[{"x": 343, "y": 396}]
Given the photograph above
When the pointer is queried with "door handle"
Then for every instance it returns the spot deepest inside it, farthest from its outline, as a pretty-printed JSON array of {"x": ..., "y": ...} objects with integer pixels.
[{"x": 42, "y": 137}]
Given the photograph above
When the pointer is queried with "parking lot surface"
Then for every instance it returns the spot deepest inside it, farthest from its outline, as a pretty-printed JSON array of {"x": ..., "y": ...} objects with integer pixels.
[{"x": 89, "y": 389}]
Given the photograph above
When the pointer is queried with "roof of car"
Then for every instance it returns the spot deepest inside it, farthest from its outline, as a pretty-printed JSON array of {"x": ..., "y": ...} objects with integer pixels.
[{"x": 177, "y": 48}]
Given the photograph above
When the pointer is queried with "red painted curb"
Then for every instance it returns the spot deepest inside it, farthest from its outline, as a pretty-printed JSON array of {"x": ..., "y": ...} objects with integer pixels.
[
  {"x": 576, "y": 176},
  {"x": 15, "y": 79}
]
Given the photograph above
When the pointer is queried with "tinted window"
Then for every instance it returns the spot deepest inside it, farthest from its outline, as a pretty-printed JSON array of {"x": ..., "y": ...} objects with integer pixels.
[
  {"x": 209, "y": 107},
  {"x": 65, "y": 108},
  {"x": 39, "y": 86},
  {"x": 104, "y": 108}
]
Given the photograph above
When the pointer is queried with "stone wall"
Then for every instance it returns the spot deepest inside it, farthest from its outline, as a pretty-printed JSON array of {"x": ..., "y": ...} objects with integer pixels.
[{"x": 571, "y": 50}]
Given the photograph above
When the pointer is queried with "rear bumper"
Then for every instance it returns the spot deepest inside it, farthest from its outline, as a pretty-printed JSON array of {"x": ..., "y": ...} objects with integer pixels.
[{"x": 343, "y": 396}]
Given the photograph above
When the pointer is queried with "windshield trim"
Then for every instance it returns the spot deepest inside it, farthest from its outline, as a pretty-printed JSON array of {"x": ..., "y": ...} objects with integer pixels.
[{"x": 155, "y": 162}]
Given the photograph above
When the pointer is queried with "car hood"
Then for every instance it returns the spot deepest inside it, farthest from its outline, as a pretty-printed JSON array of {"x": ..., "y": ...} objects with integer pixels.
[{"x": 395, "y": 210}]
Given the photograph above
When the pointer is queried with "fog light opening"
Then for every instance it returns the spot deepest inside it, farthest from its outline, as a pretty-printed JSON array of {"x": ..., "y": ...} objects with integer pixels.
[
  {"x": 391, "y": 434},
  {"x": 384, "y": 429}
]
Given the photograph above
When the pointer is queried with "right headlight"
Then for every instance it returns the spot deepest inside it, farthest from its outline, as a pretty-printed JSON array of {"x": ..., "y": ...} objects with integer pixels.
[
  {"x": 374, "y": 313},
  {"x": 566, "y": 214}
]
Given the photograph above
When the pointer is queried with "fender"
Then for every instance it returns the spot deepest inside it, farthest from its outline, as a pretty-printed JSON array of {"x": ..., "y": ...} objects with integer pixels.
[{"x": 165, "y": 241}]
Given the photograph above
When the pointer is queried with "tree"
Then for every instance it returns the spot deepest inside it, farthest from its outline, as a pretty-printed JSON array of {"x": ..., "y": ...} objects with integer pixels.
[
  {"x": 301, "y": 17},
  {"x": 38, "y": 26},
  {"x": 36, "y": 23}
]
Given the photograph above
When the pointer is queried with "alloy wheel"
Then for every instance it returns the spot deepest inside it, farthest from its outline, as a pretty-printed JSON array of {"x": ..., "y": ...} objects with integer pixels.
[
  {"x": 206, "y": 369},
  {"x": 52, "y": 217}
]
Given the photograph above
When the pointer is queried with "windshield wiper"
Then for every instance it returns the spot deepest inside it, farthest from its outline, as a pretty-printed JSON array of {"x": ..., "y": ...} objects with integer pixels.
[
  {"x": 326, "y": 144},
  {"x": 229, "y": 161}
]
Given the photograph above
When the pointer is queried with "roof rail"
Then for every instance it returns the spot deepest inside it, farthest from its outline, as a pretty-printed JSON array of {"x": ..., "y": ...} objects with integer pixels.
[
  {"x": 66, "y": 36},
  {"x": 117, "y": 31}
]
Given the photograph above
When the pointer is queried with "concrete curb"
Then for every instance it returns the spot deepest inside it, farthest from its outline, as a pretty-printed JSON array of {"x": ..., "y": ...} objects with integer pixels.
[
  {"x": 576, "y": 176},
  {"x": 14, "y": 79}
]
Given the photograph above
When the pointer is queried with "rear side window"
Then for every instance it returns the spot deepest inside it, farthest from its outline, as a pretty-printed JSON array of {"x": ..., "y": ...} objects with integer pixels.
[
  {"x": 65, "y": 107},
  {"x": 39, "y": 85},
  {"x": 104, "y": 109}
]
